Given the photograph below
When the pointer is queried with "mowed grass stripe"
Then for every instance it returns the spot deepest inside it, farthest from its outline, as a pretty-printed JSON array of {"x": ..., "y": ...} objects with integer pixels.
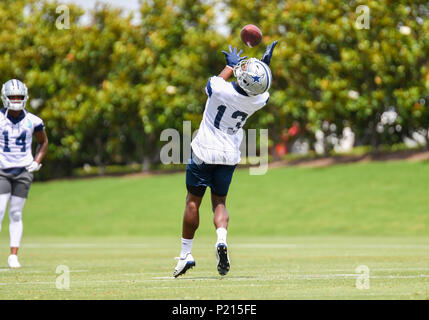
[
  {"x": 356, "y": 199},
  {"x": 256, "y": 273}
]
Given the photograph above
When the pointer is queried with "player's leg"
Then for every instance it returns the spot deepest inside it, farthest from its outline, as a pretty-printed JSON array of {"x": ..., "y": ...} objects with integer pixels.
[
  {"x": 5, "y": 191},
  {"x": 20, "y": 188},
  {"x": 16, "y": 225},
  {"x": 4, "y": 198},
  {"x": 191, "y": 220},
  {"x": 220, "y": 186},
  {"x": 190, "y": 224},
  {"x": 197, "y": 179},
  {"x": 221, "y": 181},
  {"x": 191, "y": 217},
  {"x": 220, "y": 217}
]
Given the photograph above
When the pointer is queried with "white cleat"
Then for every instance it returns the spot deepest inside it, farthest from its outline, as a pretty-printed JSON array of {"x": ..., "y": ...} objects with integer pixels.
[
  {"x": 222, "y": 258},
  {"x": 183, "y": 265},
  {"x": 13, "y": 262}
]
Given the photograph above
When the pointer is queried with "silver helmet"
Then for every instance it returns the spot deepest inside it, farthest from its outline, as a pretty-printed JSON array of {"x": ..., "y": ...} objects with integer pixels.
[
  {"x": 14, "y": 88},
  {"x": 253, "y": 76}
]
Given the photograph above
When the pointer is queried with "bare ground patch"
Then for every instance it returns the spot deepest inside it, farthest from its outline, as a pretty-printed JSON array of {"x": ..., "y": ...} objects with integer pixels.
[{"x": 407, "y": 155}]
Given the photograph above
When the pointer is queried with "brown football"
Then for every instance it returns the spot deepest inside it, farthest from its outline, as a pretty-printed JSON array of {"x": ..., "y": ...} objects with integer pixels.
[{"x": 251, "y": 35}]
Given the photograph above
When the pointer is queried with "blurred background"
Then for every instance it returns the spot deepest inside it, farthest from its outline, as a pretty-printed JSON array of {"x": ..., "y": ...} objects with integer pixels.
[
  {"x": 107, "y": 77},
  {"x": 107, "y": 84}
]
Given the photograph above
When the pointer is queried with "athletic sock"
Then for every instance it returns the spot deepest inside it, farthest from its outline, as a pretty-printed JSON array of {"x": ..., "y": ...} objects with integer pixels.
[
  {"x": 186, "y": 247},
  {"x": 221, "y": 235},
  {"x": 15, "y": 232}
]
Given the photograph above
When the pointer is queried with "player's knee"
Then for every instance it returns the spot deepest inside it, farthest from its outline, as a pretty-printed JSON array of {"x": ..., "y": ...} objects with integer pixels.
[
  {"x": 191, "y": 214},
  {"x": 15, "y": 216},
  {"x": 192, "y": 207},
  {"x": 218, "y": 205}
]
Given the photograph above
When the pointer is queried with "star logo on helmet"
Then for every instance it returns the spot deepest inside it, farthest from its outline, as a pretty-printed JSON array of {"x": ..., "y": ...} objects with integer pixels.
[{"x": 256, "y": 78}]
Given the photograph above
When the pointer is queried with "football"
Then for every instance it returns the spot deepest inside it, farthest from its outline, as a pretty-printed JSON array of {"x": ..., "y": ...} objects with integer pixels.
[{"x": 251, "y": 35}]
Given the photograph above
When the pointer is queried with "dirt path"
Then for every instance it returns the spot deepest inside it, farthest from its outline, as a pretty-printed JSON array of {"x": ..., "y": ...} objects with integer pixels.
[
  {"x": 408, "y": 155},
  {"x": 329, "y": 161}
]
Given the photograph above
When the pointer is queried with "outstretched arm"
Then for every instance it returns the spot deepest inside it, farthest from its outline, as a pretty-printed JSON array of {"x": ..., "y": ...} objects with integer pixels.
[
  {"x": 269, "y": 53},
  {"x": 226, "y": 73}
]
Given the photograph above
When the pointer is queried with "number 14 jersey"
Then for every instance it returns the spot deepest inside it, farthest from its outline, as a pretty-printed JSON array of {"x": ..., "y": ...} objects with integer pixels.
[
  {"x": 16, "y": 136},
  {"x": 220, "y": 134}
]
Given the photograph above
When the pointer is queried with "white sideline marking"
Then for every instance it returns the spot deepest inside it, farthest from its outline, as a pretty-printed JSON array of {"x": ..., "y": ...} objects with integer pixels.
[
  {"x": 234, "y": 245},
  {"x": 367, "y": 246},
  {"x": 337, "y": 296},
  {"x": 264, "y": 245},
  {"x": 89, "y": 245},
  {"x": 379, "y": 269},
  {"x": 401, "y": 269},
  {"x": 52, "y": 283},
  {"x": 353, "y": 275},
  {"x": 139, "y": 274},
  {"x": 400, "y": 277},
  {"x": 298, "y": 277},
  {"x": 329, "y": 246},
  {"x": 289, "y": 277}
]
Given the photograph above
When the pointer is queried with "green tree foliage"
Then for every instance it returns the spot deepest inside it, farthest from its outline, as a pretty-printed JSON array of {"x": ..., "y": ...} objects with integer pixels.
[
  {"x": 327, "y": 69},
  {"x": 107, "y": 89},
  {"x": 186, "y": 52}
]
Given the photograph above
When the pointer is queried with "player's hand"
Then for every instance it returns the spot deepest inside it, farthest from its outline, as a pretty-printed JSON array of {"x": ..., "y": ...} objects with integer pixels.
[
  {"x": 233, "y": 57},
  {"x": 268, "y": 53},
  {"x": 34, "y": 166}
]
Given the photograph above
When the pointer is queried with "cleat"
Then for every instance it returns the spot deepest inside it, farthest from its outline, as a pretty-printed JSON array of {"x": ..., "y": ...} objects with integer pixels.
[
  {"x": 183, "y": 265},
  {"x": 13, "y": 262},
  {"x": 222, "y": 258}
]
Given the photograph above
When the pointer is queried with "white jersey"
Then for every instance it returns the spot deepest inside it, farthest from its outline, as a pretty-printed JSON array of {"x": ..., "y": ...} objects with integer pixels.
[
  {"x": 219, "y": 136},
  {"x": 16, "y": 136}
]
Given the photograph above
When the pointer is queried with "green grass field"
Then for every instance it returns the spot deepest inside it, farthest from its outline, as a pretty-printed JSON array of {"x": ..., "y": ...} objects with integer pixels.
[{"x": 295, "y": 233}]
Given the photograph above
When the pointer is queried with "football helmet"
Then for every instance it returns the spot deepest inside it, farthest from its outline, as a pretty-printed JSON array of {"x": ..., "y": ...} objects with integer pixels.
[
  {"x": 14, "y": 88},
  {"x": 253, "y": 76}
]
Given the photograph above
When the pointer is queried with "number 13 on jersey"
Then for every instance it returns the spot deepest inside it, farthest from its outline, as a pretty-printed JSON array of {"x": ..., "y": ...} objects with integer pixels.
[{"x": 241, "y": 116}]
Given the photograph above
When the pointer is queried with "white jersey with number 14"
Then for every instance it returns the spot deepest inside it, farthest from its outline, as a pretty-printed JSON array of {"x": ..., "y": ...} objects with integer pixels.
[{"x": 16, "y": 138}]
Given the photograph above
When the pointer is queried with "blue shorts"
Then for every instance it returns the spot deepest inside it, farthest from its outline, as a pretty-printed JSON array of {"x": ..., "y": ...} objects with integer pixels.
[{"x": 200, "y": 175}]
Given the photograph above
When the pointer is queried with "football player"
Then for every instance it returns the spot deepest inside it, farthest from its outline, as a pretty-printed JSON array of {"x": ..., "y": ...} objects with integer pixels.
[
  {"x": 215, "y": 151},
  {"x": 17, "y": 164}
]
